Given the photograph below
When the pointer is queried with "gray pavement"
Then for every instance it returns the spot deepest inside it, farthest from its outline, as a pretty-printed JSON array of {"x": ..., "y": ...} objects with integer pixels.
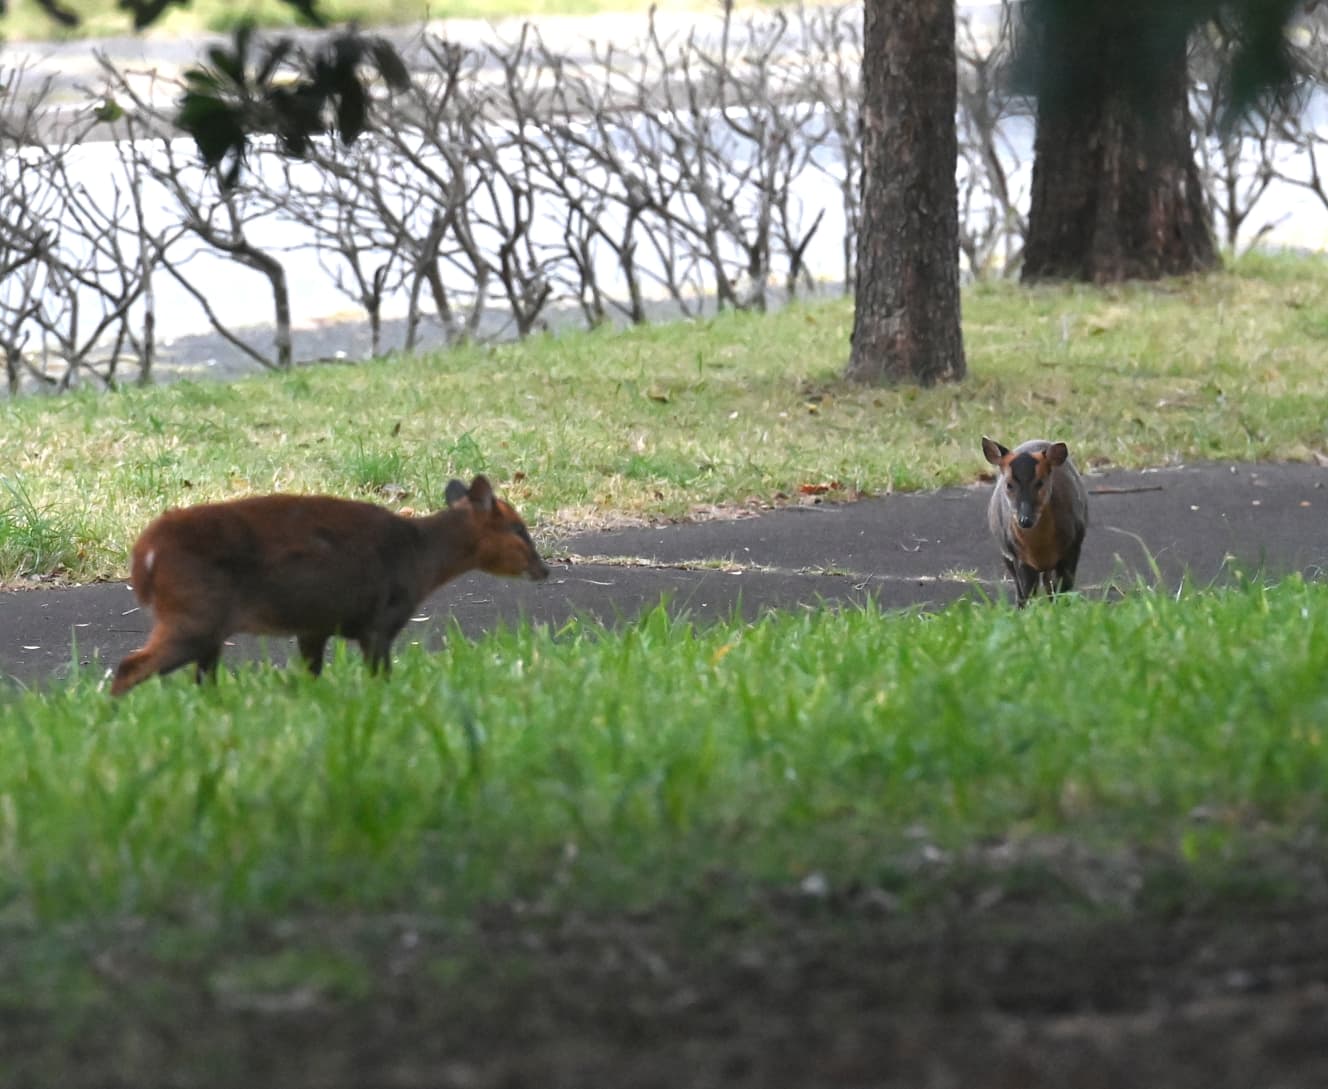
[{"x": 1199, "y": 524}]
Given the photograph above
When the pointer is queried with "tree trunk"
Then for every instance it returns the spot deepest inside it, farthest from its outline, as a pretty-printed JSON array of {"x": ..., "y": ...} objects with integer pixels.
[
  {"x": 906, "y": 320},
  {"x": 1116, "y": 191}
]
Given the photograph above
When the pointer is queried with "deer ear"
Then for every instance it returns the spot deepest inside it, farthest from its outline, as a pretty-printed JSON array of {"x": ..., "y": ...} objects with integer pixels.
[
  {"x": 456, "y": 491},
  {"x": 481, "y": 494},
  {"x": 992, "y": 450},
  {"x": 1057, "y": 452}
]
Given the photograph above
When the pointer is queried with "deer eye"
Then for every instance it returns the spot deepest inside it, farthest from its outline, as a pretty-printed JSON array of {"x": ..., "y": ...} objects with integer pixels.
[{"x": 1040, "y": 483}]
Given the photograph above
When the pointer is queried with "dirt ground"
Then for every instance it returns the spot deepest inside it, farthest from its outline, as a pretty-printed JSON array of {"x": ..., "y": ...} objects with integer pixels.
[
  {"x": 1191, "y": 1003},
  {"x": 809, "y": 989}
]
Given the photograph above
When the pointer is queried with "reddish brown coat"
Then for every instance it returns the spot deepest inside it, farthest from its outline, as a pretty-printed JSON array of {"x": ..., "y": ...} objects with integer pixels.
[{"x": 312, "y": 567}]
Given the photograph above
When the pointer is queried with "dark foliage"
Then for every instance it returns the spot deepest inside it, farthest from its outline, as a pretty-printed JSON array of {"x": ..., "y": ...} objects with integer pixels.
[
  {"x": 58, "y": 14},
  {"x": 147, "y": 12},
  {"x": 1262, "y": 63},
  {"x": 228, "y": 101}
]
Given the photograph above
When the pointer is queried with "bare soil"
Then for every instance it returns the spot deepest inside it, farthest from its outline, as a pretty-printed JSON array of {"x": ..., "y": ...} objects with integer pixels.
[{"x": 803, "y": 990}]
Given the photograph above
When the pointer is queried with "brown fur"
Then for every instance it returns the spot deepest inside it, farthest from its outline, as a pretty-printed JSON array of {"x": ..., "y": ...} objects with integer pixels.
[
  {"x": 1038, "y": 480},
  {"x": 312, "y": 567},
  {"x": 1039, "y": 547}
]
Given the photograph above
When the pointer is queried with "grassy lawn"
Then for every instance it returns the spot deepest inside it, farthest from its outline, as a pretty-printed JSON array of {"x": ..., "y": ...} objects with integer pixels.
[
  {"x": 550, "y": 849},
  {"x": 655, "y": 421},
  {"x": 589, "y": 838},
  {"x": 630, "y": 766}
]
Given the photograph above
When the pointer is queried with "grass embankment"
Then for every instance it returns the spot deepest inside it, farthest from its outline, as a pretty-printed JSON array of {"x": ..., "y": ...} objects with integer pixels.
[
  {"x": 620, "y": 769},
  {"x": 654, "y": 421}
]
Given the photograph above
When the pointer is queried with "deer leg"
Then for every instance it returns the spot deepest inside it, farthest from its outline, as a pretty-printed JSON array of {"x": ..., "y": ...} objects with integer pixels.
[
  {"x": 1012, "y": 569},
  {"x": 1025, "y": 583},
  {"x": 165, "y": 651},
  {"x": 1065, "y": 570},
  {"x": 207, "y": 666},
  {"x": 378, "y": 653},
  {"x": 377, "y": 647},
  {"x": 312, "y": 648}
]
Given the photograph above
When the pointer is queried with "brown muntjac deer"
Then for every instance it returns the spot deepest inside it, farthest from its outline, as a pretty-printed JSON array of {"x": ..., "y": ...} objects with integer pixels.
[
  {"x": 309, "y": 566},
  {"x": 1038, "y": 514}
]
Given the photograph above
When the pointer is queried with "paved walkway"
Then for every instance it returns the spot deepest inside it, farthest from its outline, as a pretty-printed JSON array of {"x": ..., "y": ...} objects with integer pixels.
[{"x": 914, "y": 550}]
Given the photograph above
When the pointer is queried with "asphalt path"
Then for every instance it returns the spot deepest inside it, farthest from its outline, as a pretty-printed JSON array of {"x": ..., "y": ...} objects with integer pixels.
[{"x": 1197, "y": 525}]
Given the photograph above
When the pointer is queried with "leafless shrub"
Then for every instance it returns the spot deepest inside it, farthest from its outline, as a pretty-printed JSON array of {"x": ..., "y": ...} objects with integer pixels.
[
  {"x": 1292, "y": 140},
  {"x": 832, "y": 60},
  {"x": 432, "y": 190},
  {"x": 337, "y": 195},
  {"x": 220, "y": 220},
  {"x": 25, "y": 231},
  {"x": 590, "y": 165},
  {"x": 1237, "y": 156},
  {"x": 503, "y": 138},
  {"x": 75, "y": 297},
  {"x": 505, "y": 182},
  {"x": 713, "y": 166},
  {"x": 706, "y": 148},
  {"x": 993, "y": 189}
]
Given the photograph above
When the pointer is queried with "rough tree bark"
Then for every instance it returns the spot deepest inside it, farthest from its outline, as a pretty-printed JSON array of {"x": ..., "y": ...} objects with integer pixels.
[
  {"x": 906, "y": 320},
  {"x": 1116, "y": 191}
]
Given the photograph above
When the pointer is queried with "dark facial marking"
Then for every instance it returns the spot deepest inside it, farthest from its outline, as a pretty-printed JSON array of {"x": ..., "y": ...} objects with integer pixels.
[{"x": 1023, "y": 468}]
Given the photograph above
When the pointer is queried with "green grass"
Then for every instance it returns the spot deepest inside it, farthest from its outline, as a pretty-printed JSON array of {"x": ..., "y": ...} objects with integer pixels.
[
  {"x": 32, "y": 539},
  {"x": 618, "y": 768},
  {"x": 654, "y": 421}
]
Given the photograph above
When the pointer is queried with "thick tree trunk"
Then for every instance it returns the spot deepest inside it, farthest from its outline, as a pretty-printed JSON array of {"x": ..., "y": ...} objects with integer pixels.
[
  {"x": 906, "y": 321},
  {"x": 1116, "y": 191}
]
